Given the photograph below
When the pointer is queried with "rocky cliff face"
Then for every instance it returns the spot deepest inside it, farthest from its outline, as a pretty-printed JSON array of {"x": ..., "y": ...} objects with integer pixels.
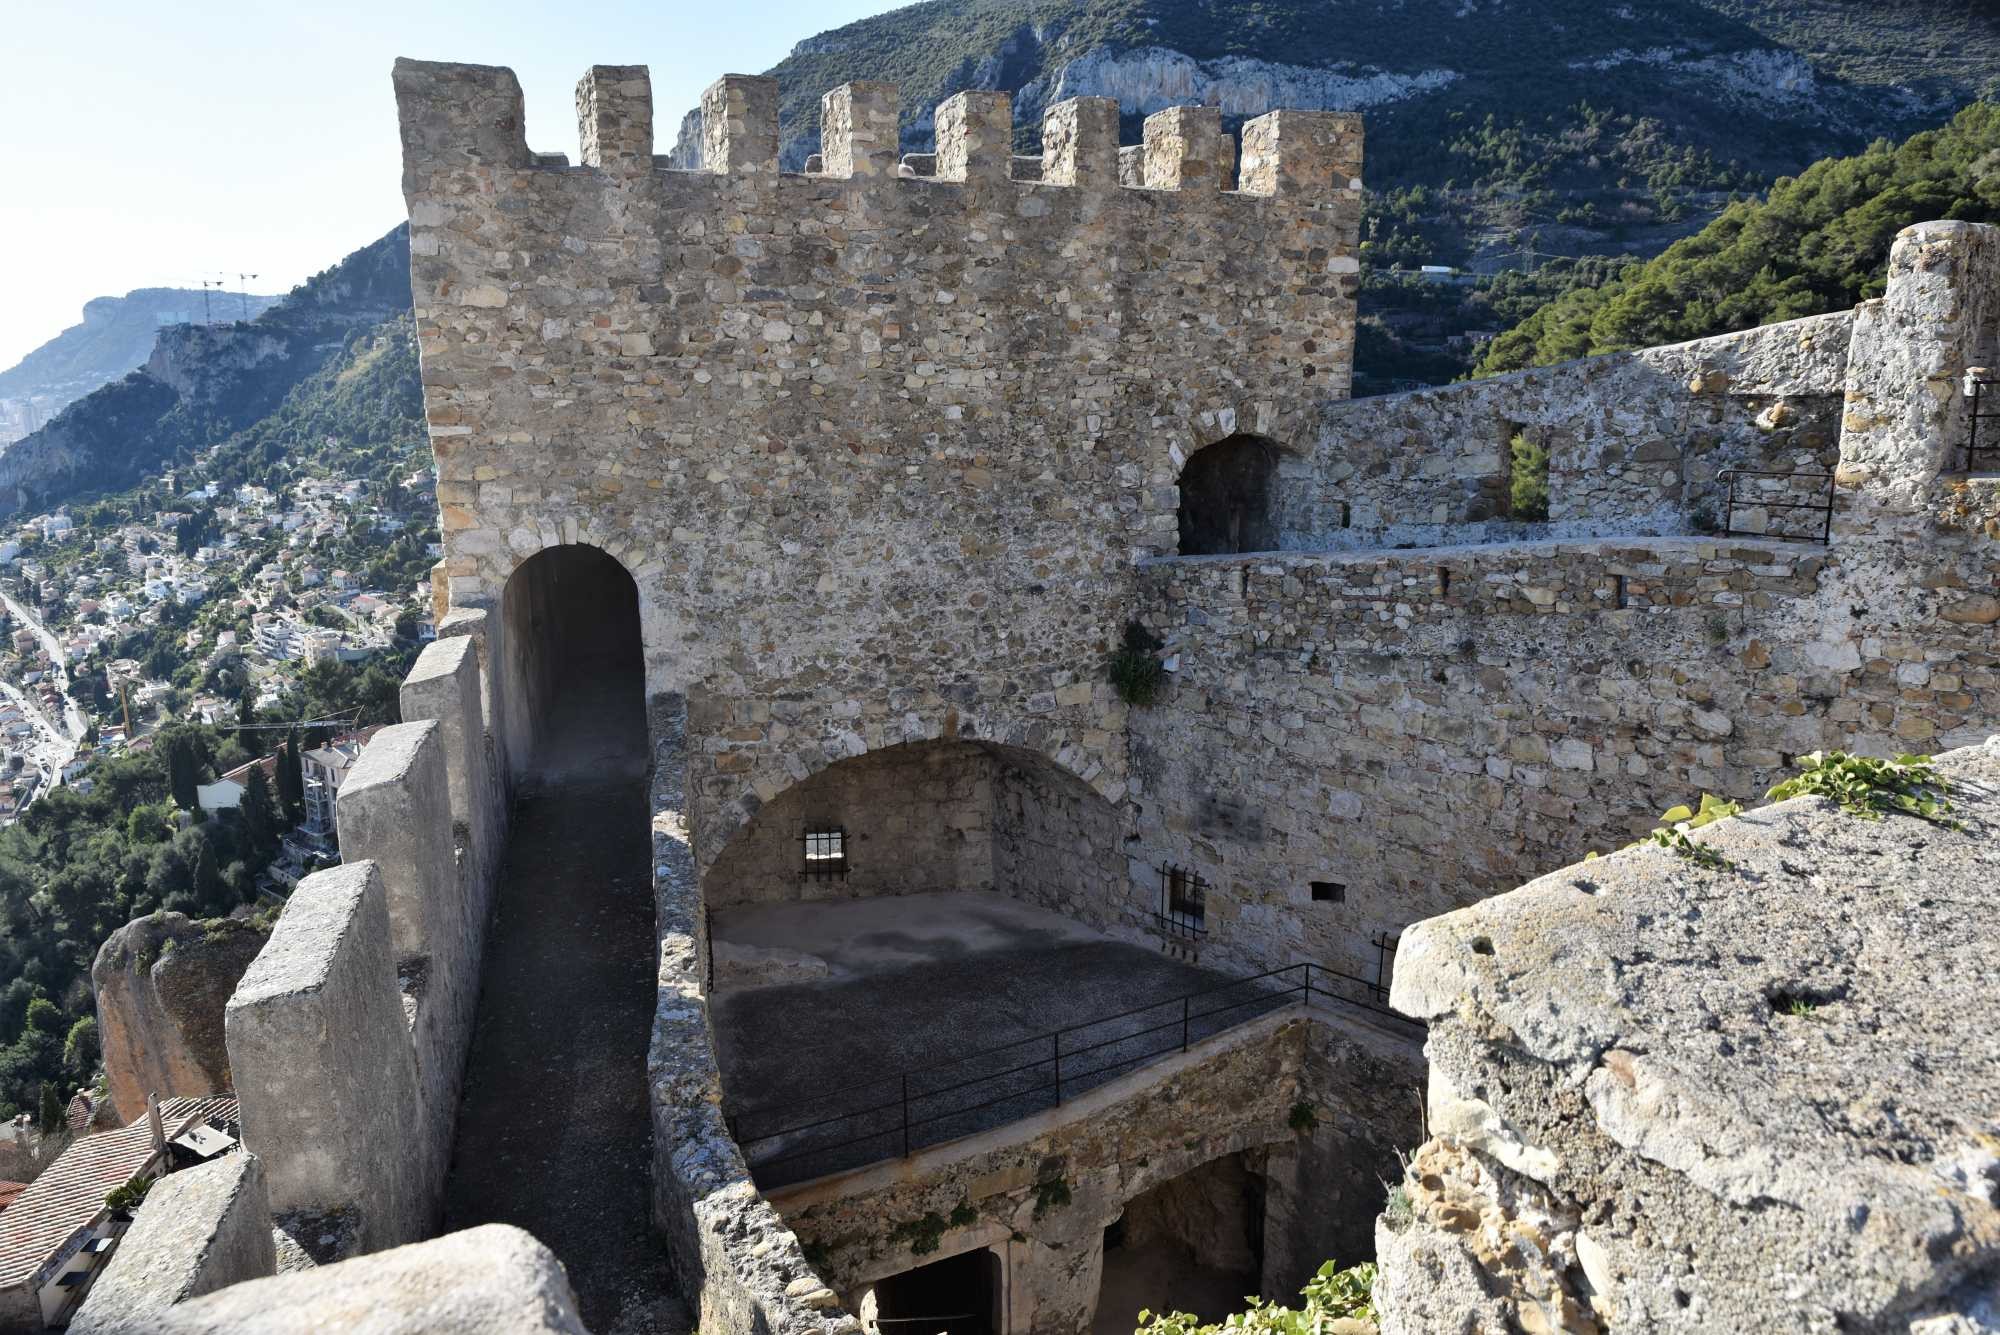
[
  {"x": 200, "y": 383},
  {"x": 1722, "y": 76},
  {"x": 161, "y": 984},
  {"x": 116, "y": 337}
]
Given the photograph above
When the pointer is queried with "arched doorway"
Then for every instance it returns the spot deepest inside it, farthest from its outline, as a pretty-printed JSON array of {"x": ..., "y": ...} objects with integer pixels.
[
  {"x": 1229, "y": 498},
  {"x": 572, "y": 678}
]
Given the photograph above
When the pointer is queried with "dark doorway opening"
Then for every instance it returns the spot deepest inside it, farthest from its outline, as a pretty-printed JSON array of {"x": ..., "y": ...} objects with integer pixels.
[
  {"x": 959, "y": 1295},
  {"x": 1192, "y": 1244},
  {"x": 572, "y": 657},
  {"x": 1229, "y": 498}
]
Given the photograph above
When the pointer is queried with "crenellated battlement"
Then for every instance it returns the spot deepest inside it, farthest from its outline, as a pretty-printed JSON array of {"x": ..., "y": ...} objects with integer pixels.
[
  {"x": 471, "y": 116},
  {"x": 1036, "y": 343}
]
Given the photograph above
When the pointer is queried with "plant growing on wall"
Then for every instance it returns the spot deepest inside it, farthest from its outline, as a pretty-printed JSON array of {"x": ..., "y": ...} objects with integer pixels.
[
  {"x": 1136, "y": 670},
  {"x": 1331, "y": 1295},
  {"x": 1869, "y": 787}
]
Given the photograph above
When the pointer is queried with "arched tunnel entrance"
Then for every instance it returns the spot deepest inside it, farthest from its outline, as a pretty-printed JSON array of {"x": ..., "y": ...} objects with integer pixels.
[
  {"x": 554, "y": 1133},
  {"x": 1229, "y": 498}
]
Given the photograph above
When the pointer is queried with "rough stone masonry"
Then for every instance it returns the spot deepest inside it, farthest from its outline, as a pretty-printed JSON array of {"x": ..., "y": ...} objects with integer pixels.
[{"x": 893, "y": 453}]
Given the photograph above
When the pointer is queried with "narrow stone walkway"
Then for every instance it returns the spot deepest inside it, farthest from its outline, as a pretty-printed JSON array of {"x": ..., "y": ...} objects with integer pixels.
[{"x": 553, "y": 1131}]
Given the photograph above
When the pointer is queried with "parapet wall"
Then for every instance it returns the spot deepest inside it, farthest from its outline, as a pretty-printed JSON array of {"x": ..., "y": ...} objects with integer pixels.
[
  {"x": 1423, "y": 728},
  {"x": 1637, "y": 444},
  {"x": 384, "y": 952}
]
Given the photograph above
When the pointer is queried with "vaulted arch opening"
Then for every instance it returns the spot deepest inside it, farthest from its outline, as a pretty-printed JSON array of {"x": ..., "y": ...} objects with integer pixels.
[
  {"x": 572, "y": 670},
  {"x": 1229, "y": 496},
  {"x": 927, "y": 817}
]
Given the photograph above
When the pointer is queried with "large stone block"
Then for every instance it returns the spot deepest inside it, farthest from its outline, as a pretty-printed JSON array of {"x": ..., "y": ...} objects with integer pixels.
[{"x": 321, "y": 1054}]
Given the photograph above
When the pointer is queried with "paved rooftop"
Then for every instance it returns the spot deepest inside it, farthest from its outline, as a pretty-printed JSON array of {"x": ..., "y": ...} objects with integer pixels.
[{"x": 933, "y": 986}]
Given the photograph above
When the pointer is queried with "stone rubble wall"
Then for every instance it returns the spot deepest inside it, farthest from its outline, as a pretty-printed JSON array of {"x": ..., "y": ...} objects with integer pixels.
[
  {"x": 740, "y": 1268},
  {"x": 1637, "y": 444},
  {"x": 775, "y": 397},
  {"x": 1426, "y": 728},
  {"x": 1755, "y": 1092},
  {"x": 1043, "y": 1189}
]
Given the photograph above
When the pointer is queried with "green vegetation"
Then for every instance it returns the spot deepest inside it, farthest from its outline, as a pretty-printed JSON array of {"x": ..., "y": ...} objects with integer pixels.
[
  {"x": 1304, "y": 1118},
  {"x": 925, "y": 1234},
  {"x": 1528, "y": 484},
  {"x": 130, "y": 1196},
  {"x": 1869, "y": 787},
  {"x": 1051, "y": 1194},
  {"x": 1135, "y": 669},
  {"x": 1817, "y": 244},
  {"x": 1330, "y": 1295}
]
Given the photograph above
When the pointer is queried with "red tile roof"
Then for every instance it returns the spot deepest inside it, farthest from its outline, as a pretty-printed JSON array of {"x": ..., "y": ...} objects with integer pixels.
[
  {"x": 70, "y": 1192},
  {"x": 8, "y": 1191}
]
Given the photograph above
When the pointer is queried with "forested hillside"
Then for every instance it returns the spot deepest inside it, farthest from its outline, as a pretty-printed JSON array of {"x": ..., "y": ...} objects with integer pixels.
[
  {"x": 85, "y": 859},
  {"x": 1816, "y": 244},
  {"x": 1535, "y": 145}
]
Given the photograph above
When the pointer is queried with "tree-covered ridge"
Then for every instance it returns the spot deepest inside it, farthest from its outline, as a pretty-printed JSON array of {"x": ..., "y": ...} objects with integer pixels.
[{"x": 1816, "y": 244}]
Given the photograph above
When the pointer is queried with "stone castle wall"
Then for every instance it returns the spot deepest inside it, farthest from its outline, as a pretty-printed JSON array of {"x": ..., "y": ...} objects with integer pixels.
[
  {"x": 879, "y": 449},
  {"x": 1638, "y": 444}
]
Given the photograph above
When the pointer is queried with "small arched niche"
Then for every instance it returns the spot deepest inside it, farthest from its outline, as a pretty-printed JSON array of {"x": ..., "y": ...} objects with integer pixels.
[{"x": 1229, "y": 496}]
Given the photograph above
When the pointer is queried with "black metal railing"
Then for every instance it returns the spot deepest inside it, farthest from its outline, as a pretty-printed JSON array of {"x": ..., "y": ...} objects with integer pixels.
[
  {"x": 1818, "y": 500},
  {"x": 1983, "y": 395},
  {"x": 834, "y": 1130}
]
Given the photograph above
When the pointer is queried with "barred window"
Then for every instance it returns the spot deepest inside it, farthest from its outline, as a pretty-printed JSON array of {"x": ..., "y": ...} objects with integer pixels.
[
  {"x": 1184, "y": 907},
  {"x": 825, "y": 853}
]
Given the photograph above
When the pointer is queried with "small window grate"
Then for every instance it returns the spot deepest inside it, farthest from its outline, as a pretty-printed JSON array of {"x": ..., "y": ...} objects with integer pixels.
[
  {"x": 1329, "y": 892},
  {"x": 1184, "y": 902},
  {"x": 825, "y": 854}
]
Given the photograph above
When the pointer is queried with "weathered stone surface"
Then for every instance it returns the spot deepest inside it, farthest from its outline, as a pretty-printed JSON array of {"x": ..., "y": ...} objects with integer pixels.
[
  {"x": 492, "y": 1278},
  {"x": 199, "y": 1230},
  {"x": 1757, "y": 1096},
  {"x": 161, "y": 984}
]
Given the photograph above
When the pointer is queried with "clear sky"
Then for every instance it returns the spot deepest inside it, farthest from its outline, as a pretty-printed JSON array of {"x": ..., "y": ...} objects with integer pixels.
[{"x": 151, "y": 145}]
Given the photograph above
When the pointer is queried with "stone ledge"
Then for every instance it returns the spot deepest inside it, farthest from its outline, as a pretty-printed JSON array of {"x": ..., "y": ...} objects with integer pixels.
[{"x": 1767, "y": 1088}]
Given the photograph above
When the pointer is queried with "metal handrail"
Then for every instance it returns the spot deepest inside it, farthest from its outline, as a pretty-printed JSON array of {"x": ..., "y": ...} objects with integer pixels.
[
  {"x": 1823, "y": 504},
  {"x": 911, "y": 1104},
  {"x": 1977, "y": 387}
]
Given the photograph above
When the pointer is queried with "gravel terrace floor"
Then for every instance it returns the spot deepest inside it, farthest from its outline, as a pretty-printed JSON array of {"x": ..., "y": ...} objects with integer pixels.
[
  {"x": 959, "y": 991},
  {"x": 553, "y": 1131}
]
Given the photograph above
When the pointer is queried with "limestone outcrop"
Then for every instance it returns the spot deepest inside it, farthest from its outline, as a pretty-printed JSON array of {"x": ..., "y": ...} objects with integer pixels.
[
  {"x": 161, "y": 983},
  {"x": 1752, "y": 1088}
]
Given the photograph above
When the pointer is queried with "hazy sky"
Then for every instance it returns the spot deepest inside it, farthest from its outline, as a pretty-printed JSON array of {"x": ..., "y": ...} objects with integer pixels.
[{"x": 150, "y": 145}]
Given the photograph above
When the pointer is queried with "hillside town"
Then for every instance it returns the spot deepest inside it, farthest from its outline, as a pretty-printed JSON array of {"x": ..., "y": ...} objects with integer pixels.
[{"x": 205, "y": 610}]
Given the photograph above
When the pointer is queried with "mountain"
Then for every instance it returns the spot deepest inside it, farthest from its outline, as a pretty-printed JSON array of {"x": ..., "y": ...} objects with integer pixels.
[
  {"x": 1502, "y": 134},
  {"x": 1815, "y": 245},
  {"x": 116, "y": 336},
  {"x": 202, "y": 383}
]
